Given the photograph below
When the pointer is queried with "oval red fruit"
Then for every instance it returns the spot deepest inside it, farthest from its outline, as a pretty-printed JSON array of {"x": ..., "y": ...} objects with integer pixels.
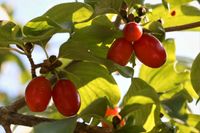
[
  {"x": 66, "y": 97},
  {"x": 149, "y": 51},
  {"x": 132, "y": 31},
  {"x": 120, "y": 52},
  {"x": 38, "y": 94}
]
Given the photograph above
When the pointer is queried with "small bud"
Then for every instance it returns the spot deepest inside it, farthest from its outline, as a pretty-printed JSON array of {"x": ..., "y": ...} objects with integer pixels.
[
  {"x": 52, "y": 58},
  {"x": 161, "y": 115},
  {"x": 44, "y": 70},
  {"x": 28, "y": 46},
  {"x": 131, "y": 17},
  {"x": 116, "y": 121},
  {"x": 137, "y": 19},
  {"x": 57, "y": 64},
  {"x": 123, "y": 13},
  {"x": 160, "y": 21},
  {"x": 46, "y": 63},
  {"x": 141, "y": 11}
]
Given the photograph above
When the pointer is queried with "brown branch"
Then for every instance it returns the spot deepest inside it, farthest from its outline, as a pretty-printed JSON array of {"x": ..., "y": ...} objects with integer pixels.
[
  {"x": 7, "y": 117},
  {"x": 7, "y": 128},
  {"x": 183, "y": 27},
  {"x": 29, "y": 56},
  {"x": 38, "y": 65},
  {"x": 26, "y": 120},
  {"x": 84, "y": 128},
  {"x": 122, "y": 15},
  {"x": 18, "y": 104}
]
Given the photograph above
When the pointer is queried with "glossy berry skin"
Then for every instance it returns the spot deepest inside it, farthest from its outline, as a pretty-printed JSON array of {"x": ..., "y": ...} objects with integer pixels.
[
  {"x": 132, "y": 31},
  {"x": 66, "y": 97},
  {"x": 38, "y": 94},
  {"x": 149, "y": 51},
  {"x": 120, "y": 52}
]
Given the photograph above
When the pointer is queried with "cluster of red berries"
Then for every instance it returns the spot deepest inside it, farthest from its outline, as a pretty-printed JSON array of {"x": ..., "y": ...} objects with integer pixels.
[
  {"x": 147, "y": 48},
  {"x": 65, "y": 96}
]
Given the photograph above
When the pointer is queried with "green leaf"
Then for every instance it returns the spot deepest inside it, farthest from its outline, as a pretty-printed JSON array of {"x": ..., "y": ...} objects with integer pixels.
[
  {"x": 142, "y": 102},
  {"x": 185, "y": 14},
  {"x": 107, "y": 6},
  {"x": 132, "y": 2},
  {"x": 188, "y": 87},
  {"x": 91, "y": 2},
  {"x": 176, "y": 106},
  {"x": 157, "y": 30},
  {"x": 166, "y": 127},
  {"x": 96, "y": 82},
  {"x": 193, "y": 120},
  {"x": 178, "y": 2},
  {"x": 164, "y": 78},
  {"x": 184, "y": 128},
  {"x": 42, "y": 28},
  {"x": 59, "y": 18},
  {"x": 94, "y": 49},
  {"x": 59, "y": 126},
  {"x": 101, "y": 32},
  {"x": 10, "y": 33},
  {"x": 96, "y": 109},
  {"x": 141, "y": 93},
  {"x": 169, "y": 45},
  {"x": 195, "y": 72},
  {"x": 146, "y": 116}
]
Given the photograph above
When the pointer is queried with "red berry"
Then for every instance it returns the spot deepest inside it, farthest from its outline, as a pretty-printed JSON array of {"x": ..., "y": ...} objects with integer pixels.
[
  {"x": 66, "y": 97},
  {"x": 120, "y": 52},
  {"x": 149, "y": 51},
  {"x": 132, "y": 31},
  {"x": 38, "y": 94},
  {"x": 173, "y": 13}
]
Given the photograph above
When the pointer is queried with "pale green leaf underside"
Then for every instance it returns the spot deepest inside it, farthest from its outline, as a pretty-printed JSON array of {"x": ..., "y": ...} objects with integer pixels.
[
  {"x": 59, "y": 18},
  {"x": 95, "y": 83},
  {"x": 195, "y": 74},
  {"x": 59, "y": 126},
  {"x": 185, "y": 14}
]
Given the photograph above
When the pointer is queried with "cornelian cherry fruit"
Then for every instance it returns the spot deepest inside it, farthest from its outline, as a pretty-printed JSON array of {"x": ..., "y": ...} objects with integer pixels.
[
  {"x": 38, "y": 94},
  {"x": 120, "y": 52},
  {"x": 149, "y": 51},
  {"x": 132, "y": 31},
  {"x": 66, "y": 97}
]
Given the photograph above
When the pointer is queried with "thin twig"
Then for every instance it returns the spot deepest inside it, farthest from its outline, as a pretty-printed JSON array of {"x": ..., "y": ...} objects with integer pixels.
[
  {"x": 29, "y": 56},
  {"x": 7, "y": 128},
  {"x": 18, "y": 104},
  {"x": 38, "y": 65},
  {"x": 12, "y": 49},
  {"x": 183, "y": 27}
]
